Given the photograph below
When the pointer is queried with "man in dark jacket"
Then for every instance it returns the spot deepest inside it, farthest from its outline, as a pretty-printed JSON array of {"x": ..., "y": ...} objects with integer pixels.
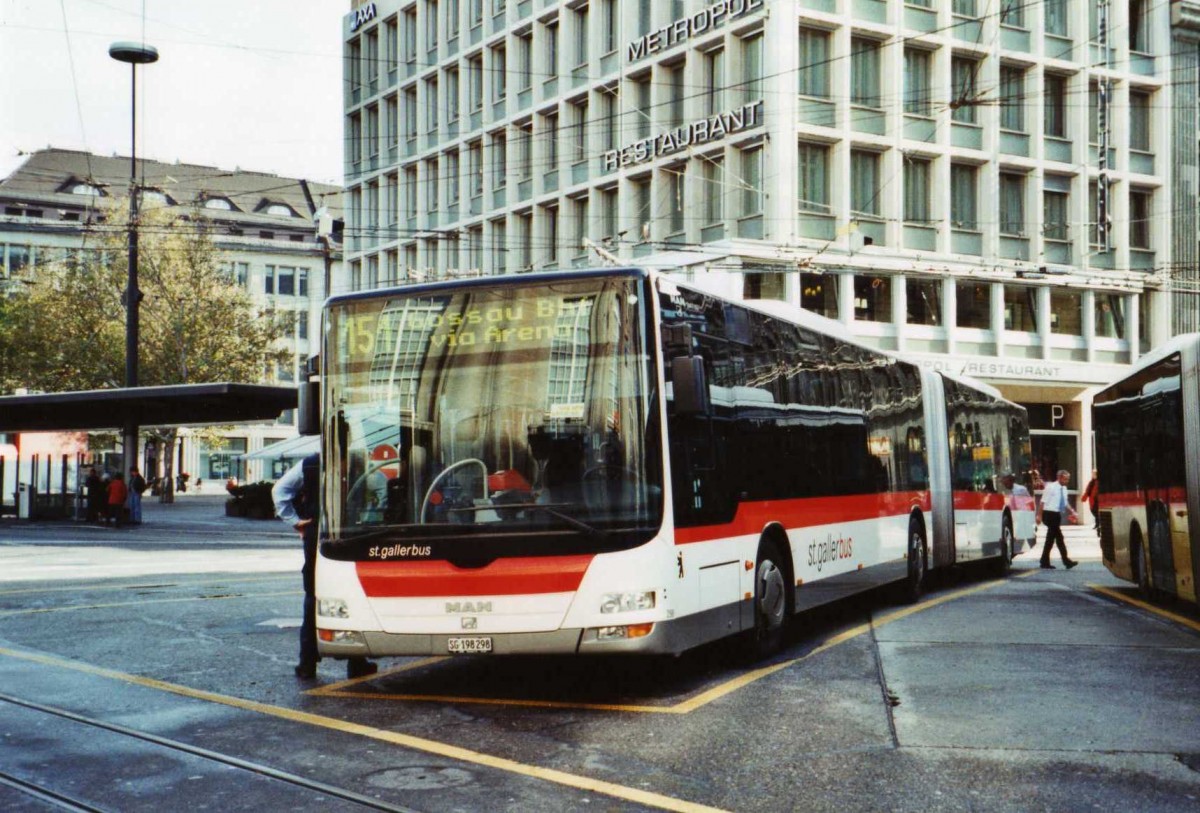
[{"x": 297, "y": 498}]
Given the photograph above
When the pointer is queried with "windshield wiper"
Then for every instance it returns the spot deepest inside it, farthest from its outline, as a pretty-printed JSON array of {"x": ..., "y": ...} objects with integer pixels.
[{"x": 548, "y": 508}]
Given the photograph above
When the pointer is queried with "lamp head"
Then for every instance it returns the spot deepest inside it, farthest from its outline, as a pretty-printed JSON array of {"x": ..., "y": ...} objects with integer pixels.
[{"x": 135, "y": 53}]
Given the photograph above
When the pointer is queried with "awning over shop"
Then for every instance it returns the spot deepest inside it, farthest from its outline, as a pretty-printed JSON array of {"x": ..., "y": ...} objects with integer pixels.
[
  {"x": 291, "y": 449},
  {"x": 179, "y": 405}
]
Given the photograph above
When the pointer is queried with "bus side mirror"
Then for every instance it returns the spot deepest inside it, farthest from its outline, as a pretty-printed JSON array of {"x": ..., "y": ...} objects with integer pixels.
[
  {"x": 689, "y": 385},
  {"x": 308, "y": 412}
]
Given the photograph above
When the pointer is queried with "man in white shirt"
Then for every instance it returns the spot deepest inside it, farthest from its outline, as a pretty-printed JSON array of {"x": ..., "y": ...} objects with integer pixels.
[{"x": 1054, "y": 508}]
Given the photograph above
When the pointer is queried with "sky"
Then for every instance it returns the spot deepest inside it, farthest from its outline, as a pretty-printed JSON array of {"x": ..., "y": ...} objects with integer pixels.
[{"x": 249, "y": 84}]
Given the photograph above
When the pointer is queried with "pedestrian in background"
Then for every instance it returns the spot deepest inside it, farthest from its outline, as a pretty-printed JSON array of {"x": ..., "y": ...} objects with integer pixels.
[
  {"x": 118, "y": 492},
  {"x": 97, "y": 495},
  {"x": 1091, "y": 496},
  {"x": 1054, "y": 508},
  {"x": 297, "y": 499},
  {"x": 137, "y": 487}
]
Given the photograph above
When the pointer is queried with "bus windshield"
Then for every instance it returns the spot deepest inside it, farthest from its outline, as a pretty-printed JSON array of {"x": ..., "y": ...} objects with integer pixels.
[{"x": 508, "y": 414}]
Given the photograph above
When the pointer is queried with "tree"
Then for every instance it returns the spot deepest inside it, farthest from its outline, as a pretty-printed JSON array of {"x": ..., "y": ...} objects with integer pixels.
[{"x": 66, "y": 331}]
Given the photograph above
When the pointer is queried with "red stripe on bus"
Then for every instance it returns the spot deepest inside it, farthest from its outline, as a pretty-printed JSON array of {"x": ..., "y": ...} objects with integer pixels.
[
  {"x": 503, "y": 577},
  {"x": 752, "y": 517},
  {"x": 1138, "y": 499}
]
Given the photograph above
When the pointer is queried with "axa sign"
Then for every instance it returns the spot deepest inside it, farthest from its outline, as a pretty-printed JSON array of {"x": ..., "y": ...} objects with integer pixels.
[{"x": 361, "y": 16}]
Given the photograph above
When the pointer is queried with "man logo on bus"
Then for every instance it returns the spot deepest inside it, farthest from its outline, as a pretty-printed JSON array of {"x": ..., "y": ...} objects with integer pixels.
[{"x": 468, "y": 606}]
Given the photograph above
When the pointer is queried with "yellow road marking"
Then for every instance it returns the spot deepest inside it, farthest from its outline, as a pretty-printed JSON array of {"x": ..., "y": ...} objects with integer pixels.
[
  {"x": 142, "y": 603},
  {"x": 1178, "y": 619},
  {"x": 434, "y": 747},
  {"x": 682, "y": 707}
]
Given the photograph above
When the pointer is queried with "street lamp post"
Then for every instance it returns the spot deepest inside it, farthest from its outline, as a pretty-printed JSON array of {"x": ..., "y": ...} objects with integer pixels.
[{"x": 133, "y": 53}]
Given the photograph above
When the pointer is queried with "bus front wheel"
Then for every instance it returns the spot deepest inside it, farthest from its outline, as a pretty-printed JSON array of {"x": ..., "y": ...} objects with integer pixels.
[
  {"x": 1004, "y": 561},
  {"x": 771, "y": 605}
]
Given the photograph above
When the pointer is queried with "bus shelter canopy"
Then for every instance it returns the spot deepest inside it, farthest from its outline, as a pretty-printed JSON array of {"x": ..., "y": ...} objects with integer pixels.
[{"x": 176, "y": 405}]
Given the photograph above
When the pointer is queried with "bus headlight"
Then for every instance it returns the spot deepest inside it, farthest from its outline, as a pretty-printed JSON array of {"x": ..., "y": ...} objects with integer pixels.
[
  {"x": 626, "y": 602},
  {"x": 333, "y": 608},
  {"x": 631, "y": 631}
]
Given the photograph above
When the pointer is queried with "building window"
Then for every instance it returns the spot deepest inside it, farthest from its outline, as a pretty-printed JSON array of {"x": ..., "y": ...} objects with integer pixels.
[
  {"x": 499, "y": 161},
  {"x": 1139, "y": 26},
  {"x": 475, "y": 82},
  {"x": 864, "y": 182},
  {"x": 962, "y": 103},
  {"x": 552, "y": 50},
  {"x": 1012, "y": 98},
  {"x": 864, "y": 72},
  {"x": 643, "y": 207},
  {"x": 923, "y": 301},
  {"x": 814, "y": 63},
  {"x": 409, "y": 51},
  {"x": 1055, "y": 12},
  {"x": 551, "y": 142},
  {"x": 714, "y": 80},
  {"x": 612, "y": 25},
  {"x": 432, "y": 198},
  {"x": 1054, "y": 95},
  {"x": 581, "y": 36},
  {"x": 268, "y": 280},
  {"x": 1012, "y": 13},
  {"x": 452, "y": 178},
  {"x": 714, "y": 189},
  {"x": 608, "y": 214},
  {"x": 1109, "y": 315},
  {"x": 813, "y": 181},
  {"x": 972, "y": 305},
  {"x": 525, "y": 61},
  {"x": 525, "y": 241},
  {"x": 1055, "y": 213},
  {"x": 581, "y": 228},
  {"x": 872, "y": 298},
  {"x": 524, "y": 152},
  {"x": 642, "y": 106},
  {"x": 764, "y": 286},
  {"x": 1094, "y": 113},
  {"x": 677, "y": 191},
  {"x": 677, "y": 94},
  {"x": 499, "y": 74},
  {"x": 301, "y": 281},
  {"x": 819, "y": 293},
  {"x": 964, "y": 196},
  {"x": 1139, "y": 121},
  {"x": 475, "y": 168},
  {"x": 752, "y": 68},
  {"x": 1012, "y": 204},
  {"x": 431, "y": 106},
  {"x": 551, "y": 234},
  {"x": 751, "y": 181},
  {"x": 431, "y": 25},
  {"x": 409, "y": 105},
  {"x": 452, "y": 23},
  {"x": 918, "y": 100},
  {"x": 1066, "y": 312},
  {"x": 916, "y": 189},
  {"x": 1140, "y": 204},
  {"x": 964, "y": 8},
  {"x": 609, "y": 104},
  {"x": 1020, "y": 308},
  {"x": 579, "y": 142}
]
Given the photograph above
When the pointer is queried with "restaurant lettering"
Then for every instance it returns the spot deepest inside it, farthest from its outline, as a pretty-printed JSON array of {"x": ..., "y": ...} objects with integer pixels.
[{"x": 698, "y": 132}]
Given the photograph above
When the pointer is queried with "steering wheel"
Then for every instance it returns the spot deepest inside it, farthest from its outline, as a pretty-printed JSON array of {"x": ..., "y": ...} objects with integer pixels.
[{"x": 429, "y": 493}]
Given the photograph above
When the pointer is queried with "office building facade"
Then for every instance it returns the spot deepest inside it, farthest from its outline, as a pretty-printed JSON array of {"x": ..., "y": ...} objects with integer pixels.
[{"x": 996, "y": 189}]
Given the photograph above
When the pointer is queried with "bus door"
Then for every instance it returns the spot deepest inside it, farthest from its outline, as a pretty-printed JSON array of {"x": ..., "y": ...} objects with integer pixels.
[{"x": 941, "y": 529}]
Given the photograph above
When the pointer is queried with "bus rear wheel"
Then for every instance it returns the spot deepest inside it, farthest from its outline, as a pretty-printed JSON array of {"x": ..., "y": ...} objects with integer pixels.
[
  {"x": 1137, "y": 561},
  {"x": 772, "y": 606},
  {"x": 918, "y": 562}
]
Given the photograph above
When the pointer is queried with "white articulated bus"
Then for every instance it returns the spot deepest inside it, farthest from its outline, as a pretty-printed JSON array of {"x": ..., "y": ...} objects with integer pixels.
[{"x": 610, "y": 461}]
